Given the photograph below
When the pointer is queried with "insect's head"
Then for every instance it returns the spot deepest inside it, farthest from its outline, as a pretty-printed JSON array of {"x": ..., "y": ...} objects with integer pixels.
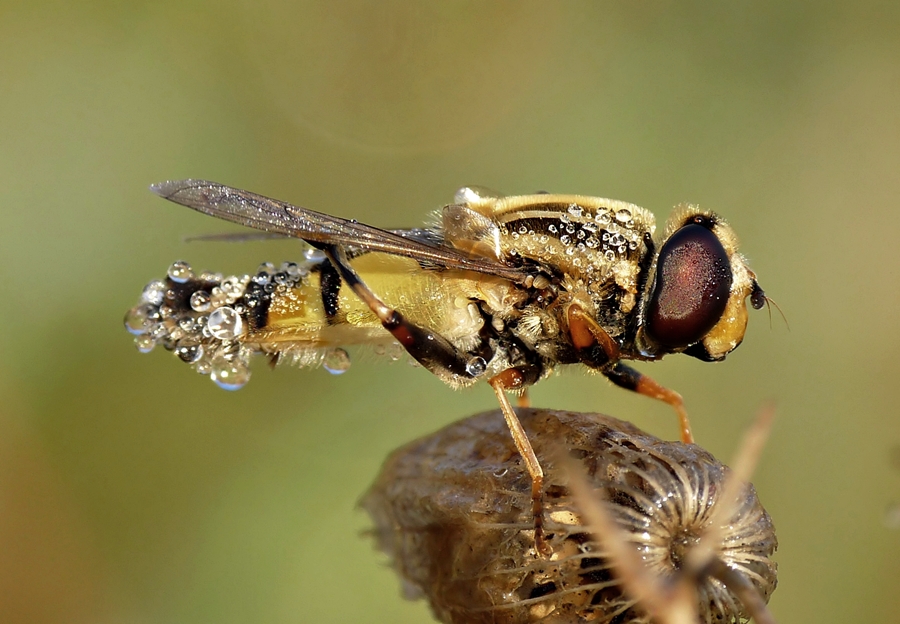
[{"x": 694, "y": 300}]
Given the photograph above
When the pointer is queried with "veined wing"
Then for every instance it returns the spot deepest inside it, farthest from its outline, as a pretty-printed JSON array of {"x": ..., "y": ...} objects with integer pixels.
[{"x": 272, "y": 215}]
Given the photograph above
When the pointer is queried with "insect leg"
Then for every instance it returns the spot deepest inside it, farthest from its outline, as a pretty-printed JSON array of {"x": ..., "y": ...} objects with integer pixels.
[
  {"x": 438, "y": 355},
  {"x": 523, "y": 400},
  {"x": 430, "y": 349},
  {"x": 507, "y": 380},
  {"x": 597, "y": 349},
  {"x": 592, "y": 344},
  {"x": 629, "y": 378}
]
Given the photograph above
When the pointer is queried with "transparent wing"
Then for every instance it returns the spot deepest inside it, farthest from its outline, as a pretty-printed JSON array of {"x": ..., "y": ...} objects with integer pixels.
[{"x": 278, "y": 217}]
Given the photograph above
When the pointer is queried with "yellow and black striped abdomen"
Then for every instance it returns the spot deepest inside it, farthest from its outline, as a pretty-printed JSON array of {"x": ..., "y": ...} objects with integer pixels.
[{"x": 323, "y": 312}]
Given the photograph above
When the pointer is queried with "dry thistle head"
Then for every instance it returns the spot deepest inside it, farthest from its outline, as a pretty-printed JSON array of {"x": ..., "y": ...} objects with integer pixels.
[{"x": 453, "y": 512}]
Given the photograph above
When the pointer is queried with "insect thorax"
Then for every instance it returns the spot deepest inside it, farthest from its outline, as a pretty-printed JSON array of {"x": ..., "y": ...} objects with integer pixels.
[{"x": 596, "y": 245}]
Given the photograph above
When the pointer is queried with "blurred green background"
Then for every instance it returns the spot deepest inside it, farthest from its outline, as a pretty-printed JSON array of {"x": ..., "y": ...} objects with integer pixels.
[{"x": 134, "y": 490}]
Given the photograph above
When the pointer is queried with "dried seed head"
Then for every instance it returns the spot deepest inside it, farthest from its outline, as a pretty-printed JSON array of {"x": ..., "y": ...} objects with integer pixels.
[{"x": 453, "y": 512}]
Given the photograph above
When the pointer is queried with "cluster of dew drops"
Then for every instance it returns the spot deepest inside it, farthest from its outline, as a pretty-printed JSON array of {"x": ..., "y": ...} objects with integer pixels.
[
  {"x": 201, "y": 317},
  {"x": 611, "y": 233}
]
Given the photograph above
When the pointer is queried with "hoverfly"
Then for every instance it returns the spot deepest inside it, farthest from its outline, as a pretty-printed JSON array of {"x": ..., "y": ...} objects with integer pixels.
[{"x": 503, "y": 290}]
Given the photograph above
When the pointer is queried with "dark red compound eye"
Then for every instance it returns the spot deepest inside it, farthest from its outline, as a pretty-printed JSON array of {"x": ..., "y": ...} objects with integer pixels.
[{"x": 693, "y": 279}]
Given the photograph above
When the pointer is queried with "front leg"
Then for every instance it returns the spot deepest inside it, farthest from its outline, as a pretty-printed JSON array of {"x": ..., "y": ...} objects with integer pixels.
[
  {"x": 627, "y": 377},
  {"x": 597, "y": 349}
]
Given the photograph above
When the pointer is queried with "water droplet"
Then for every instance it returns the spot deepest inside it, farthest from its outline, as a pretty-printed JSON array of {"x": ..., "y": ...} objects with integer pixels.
[
  {"x": 575, "y": 210},
  {"x": 217, "y": 297},
  {"x": 157, "y": 331},
  {"x": 292, "y": 269},
  {"x": 395, "y": 351},
  {"x": 203, "y": 366},
  {"x": 610, "y": 255},
  {"x": 225, "y": 324},
  {"x": 564, "y": 239},
  {"x": 602, "y": 218},
  {"x": 154, "y": 292},
  {"x": 266, "y": 268},
  {"x": 189, "y": 353},
  {"x": 476, "y": 366},
  {"x": 314, "y": 255},
  {"x": 379, "y": 349},
  {"x": 570, "y": 229},
  {"x": 551, "y": 229},
  {"x": 623, "y": 215},
  {"x": 336, "y": 361},
  {"x": 228, "y": 371},
  {"x": 200, "y": 301},
  {"x": 252, "y": 301},
  {"x": 523, "y": 229},
  {"x": 232, "y": 287},
  {"x": 140, "y": 318},
  {"x": 180, "y": 272},
  {"x": 144, "y": 343}
]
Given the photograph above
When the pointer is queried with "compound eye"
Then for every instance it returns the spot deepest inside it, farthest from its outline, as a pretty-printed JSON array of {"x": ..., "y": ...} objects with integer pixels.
[{"x": 693, "y": 279}]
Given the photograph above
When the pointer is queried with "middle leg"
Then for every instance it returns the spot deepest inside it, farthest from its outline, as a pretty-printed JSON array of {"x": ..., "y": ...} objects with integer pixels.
[
  {"x": 597, "y": 349},
  {"x": 507, "y": 380}
]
